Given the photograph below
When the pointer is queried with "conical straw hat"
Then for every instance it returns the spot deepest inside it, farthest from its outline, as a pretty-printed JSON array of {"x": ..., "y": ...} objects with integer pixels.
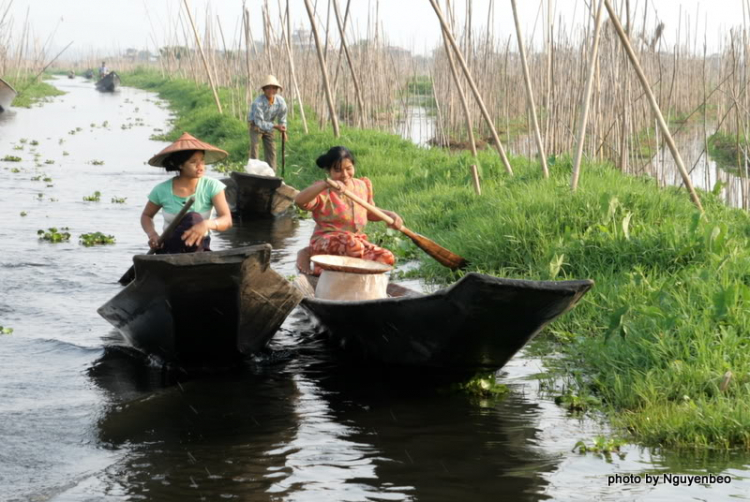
[
  {"x": 189, "y": 142},
  {"x": 270, "y": 80}
]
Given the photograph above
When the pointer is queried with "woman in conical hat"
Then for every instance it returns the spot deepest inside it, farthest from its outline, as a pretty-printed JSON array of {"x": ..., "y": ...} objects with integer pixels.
[
  {"x": 267, "y": 108},
  {"x": 187, "y": 157}
]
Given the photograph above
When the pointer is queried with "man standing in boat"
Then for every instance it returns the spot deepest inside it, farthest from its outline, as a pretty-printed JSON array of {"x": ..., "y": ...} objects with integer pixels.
[
  {"x": 103, "y": 70},
  {"x": 267, "y": 108}
]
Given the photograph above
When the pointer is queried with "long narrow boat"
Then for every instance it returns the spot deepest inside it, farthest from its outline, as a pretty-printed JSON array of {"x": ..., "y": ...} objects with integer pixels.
[
  {"x": 7, "y": 95},
  {"x": 198, "y": 308},
  {"x": 108, "y": 83},
  {"x": 261, "y": 196},
  {"x": 478, "y": 323}
]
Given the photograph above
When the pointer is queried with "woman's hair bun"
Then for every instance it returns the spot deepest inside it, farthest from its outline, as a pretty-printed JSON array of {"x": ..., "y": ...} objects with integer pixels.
[{"x": 334, "y": 156}]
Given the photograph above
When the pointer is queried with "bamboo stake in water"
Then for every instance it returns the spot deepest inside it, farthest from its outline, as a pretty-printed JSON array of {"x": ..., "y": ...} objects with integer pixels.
[
  {"x": 360, "y": 102},
  {"x": 654, "y": 105},
  {"x": 586, "y": 98},
  {"x": 324, "y": 71},
  {"x": 473, "y": 85},
  {"x": 203, "y": 57},
  {"x": 530, "y": 92}
]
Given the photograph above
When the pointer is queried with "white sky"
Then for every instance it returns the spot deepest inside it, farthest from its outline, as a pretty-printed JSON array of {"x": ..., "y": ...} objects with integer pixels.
[{"x": 103, "y": 27}]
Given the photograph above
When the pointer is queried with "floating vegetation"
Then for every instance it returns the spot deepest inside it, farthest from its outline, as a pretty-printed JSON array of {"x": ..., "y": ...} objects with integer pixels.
[
  {"x": 11, "y": 158},
  {"x": 5, "y": 331},
  {"x": 39, "y": 196},
  {"x": 65, "y": 154},
  {"x": 602, "y": 446},
  {"x": 47, "y": 179},
  {"x": 79, "y": 129},
  {"x": 483, "y": 385},
  {"x": 34, "y": 142},
  {"x": 18, "y": 147},
  {"x": 96, "y": 162},
  {"x": 71, "y": 132},
  {"x": 24, "y": 213},
  {"x": 119, "y": 200},
  {"x": 36, "y": 178},
  {"x": 95, "y": 197},
  {"x": 23, "y": 140},
  {"x": 105, "y": 123},
  {"x": 576, "y": 403},
  {"x": 54, "y": 235},
  {"x": 49, "y": 161},
  {"x": 60, "y": 141},
  {"x": 96, "y": 239},
  {"x": 15, "y": 170}
]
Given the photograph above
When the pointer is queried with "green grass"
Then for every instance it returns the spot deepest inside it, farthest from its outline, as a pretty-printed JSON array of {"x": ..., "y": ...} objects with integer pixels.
[
  {"x": 669, "y": 315},
  {"x": 28, "y": 93}
]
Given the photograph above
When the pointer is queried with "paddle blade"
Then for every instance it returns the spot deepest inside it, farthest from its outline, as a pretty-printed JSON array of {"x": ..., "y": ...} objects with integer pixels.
[{"x": 440, "y": 254}]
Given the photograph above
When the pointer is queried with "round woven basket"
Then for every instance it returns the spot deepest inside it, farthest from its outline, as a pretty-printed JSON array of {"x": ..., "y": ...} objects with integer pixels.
[{"x": 350, "y": 265}]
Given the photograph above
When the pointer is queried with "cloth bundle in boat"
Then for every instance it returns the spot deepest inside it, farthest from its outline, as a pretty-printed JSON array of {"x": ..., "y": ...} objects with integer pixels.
[{"x": 350, "y": 279}]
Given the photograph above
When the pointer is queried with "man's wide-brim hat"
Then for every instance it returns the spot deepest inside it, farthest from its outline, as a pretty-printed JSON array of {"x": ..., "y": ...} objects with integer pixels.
[
  {"x": 189, "y": 142},
  {"x": 270, "y": 80}
]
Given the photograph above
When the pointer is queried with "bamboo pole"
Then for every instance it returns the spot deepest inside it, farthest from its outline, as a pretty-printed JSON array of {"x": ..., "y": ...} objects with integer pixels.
[
  {"x": 203, "y": 57},
  {"x": 530, "y": 92},
  {"x": 473, "y": 85},
  {"x": 586, "y": 98},
  {"x": 654, "y": 105},
  {"x": 464, "y": 102},
  {"x": 360, "y": 102},
  {"x": 324, "y": 71},
  {"x": 288, "y": 45}
]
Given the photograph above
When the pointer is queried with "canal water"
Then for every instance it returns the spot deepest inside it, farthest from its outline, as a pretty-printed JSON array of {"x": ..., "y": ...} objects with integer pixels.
[{"x": 83, "y": 419}]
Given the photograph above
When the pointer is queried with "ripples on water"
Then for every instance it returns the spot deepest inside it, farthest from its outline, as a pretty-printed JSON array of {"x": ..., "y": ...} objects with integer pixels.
[{"x": 83, "y": 422}]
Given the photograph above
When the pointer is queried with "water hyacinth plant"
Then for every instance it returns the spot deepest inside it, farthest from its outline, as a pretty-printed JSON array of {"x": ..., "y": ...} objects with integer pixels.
[
  {"x": 96, "y": 238},
  {"x": 95, "y": 197},
  {"x": 52, "y": 234}
]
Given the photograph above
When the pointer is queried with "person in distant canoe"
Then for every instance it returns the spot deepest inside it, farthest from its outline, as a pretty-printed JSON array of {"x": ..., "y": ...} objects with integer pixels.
[
  {"x": 187, "y": 157},
  {"x": 103, "y": 70},
  {"x": 267, "y": 108},
  {"x": 340, "y": 221}
]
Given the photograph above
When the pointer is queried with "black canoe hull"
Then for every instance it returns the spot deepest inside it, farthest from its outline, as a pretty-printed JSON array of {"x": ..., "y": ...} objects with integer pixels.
[
  {"x": 478, "y": 323},
  {"x": 261, "y": 196},
  {"x": 108, "y": 83},
  {"x": 7, "y": 95},
  {"x": 202, "y": 307}
]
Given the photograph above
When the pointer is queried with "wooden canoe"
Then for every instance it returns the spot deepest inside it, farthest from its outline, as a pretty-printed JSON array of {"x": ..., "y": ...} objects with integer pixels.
[
  {"x": 260, "y": 196},
  {"x": 7, "y": 95},
  {"x": 108, "y": 83},
  {"x": 476, "y": 324},
  {"x": 198, "y": 308}
]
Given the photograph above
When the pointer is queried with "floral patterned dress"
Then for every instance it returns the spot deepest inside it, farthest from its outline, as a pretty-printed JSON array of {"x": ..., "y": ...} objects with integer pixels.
[{"x": 340, "y": 222}]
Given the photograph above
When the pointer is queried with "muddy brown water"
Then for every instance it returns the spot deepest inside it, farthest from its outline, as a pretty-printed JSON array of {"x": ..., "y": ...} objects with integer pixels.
[{"x": 82, "y": 419}]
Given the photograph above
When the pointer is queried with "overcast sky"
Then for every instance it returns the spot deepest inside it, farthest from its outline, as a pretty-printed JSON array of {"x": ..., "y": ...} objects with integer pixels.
[{"x": 107, "y": 26}]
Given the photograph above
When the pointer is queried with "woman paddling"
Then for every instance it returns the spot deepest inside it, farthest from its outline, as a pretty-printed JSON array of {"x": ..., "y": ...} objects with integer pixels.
[
  {"x": 187, "y": 157},
  {"x": 339, "y": 221}
]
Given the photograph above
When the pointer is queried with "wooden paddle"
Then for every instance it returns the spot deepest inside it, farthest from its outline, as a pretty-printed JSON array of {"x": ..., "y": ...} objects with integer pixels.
[
  {"x": 283, "y": 152},
  {"x": 442, "y": 255},
  {"x": 128, "y": 276}
]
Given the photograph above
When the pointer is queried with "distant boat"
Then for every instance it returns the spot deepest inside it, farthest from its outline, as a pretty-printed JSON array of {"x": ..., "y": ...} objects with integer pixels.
[
  {"x": 108, "y": 83},
  {"x": 71, "y": 74},
  {"x": 260, "y": 196},
  {"x": 7, "y": 94},
  {"x": 89, "y": 74}
]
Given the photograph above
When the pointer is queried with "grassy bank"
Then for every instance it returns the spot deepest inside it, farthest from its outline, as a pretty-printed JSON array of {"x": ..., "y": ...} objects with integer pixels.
[
  {"x": 662, "y": 342},
  {"x": 30, "y": 93}
]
